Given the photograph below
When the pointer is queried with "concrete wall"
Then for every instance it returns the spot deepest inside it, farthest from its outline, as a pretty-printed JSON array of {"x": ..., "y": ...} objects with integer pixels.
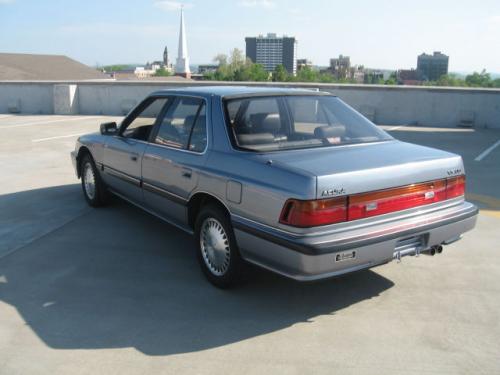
[
  {"x": 433, "y": 106},
  {"x": 34, "y": 98}
]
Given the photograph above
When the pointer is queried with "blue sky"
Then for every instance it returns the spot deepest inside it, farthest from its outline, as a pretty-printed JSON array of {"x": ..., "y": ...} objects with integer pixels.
[{"x": 383, "y": 34}]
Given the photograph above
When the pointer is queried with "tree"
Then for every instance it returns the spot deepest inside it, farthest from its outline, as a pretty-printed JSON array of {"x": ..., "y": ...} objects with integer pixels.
[
  {"x": 325, "y": 78},
  {"x": 392, "y": 80},
  {"x": 237, "y": 60},
  {"x": 236, "y": 67},
  {"x": 450, "y": 80},
  {"x": 476, "y": 79},
  {"x": 162, "y": 72},
  {"x": 220, "y": 59},
  {"x": 280, "y": 74},
  {"x": 114, "y": 68},
  {"x": 258, "y": 73},
  {"x": 306, "y": 74}
]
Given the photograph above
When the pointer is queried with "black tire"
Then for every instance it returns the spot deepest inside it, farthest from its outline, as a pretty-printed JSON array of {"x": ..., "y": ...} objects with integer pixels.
[
  {"x": 99, "y": 196},
  {"x": 230, "y": 271}
]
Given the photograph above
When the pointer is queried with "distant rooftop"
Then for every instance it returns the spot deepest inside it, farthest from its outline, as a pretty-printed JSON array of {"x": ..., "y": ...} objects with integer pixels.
[{"x": 20, "y": 66}]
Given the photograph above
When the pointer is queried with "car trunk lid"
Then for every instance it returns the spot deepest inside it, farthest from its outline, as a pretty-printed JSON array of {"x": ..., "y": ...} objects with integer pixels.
[{"x": 354, "y": 169}]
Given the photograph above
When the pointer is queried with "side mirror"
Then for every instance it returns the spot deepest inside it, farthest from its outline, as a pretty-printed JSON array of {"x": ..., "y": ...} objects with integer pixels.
[{"x": 109, "y": 128}]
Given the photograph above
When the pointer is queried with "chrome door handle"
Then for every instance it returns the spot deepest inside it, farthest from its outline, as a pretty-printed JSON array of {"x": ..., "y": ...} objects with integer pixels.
[
  {"x": 187, "y": 173},
  {"x": 133, "y": 157}
]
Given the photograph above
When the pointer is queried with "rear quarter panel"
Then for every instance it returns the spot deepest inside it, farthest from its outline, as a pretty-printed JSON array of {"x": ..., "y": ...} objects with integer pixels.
[{"x": 264, "y": 187}]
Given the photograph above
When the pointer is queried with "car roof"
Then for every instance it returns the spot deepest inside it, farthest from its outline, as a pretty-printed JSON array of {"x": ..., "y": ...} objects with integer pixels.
[{"x": 239, "y": 91}]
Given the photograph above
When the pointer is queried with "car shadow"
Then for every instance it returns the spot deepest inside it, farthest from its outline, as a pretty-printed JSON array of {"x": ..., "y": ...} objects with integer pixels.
[{"x": 117, "y": 277}]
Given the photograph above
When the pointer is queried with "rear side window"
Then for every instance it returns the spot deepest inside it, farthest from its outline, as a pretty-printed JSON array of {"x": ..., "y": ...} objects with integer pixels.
[
  {"x": 183, "y": 119},
  {"x": 295, "y": 122},
  {"x": 256, "y": 121}
]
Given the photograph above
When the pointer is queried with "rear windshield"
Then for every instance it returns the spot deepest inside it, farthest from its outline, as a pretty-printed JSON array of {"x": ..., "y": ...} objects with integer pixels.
[{"x": 296, "y": 122}]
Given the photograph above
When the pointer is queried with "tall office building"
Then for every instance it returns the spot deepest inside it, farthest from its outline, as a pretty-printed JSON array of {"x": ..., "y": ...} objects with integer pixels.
[
  {"x": 432, "y": 67},
  {"x": 271, "y": 50}
]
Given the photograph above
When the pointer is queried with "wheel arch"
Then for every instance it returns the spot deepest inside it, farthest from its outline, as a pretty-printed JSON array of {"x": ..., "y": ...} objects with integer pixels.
[
  {"x": 82, "y": 151},
  {"x": 200, "y": 199}
]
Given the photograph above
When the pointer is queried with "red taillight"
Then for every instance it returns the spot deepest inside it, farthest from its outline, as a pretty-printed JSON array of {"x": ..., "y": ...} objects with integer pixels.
[
  {"x": 455, "y": 187},
  {"x": 313, "y": 213},
  {"x": 390, "y": 200},
  {"x": 304, "y": 214}
]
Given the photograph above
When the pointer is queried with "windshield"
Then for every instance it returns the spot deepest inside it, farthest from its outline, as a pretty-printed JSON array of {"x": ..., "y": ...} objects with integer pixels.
[{"x": 296, "y": 122}]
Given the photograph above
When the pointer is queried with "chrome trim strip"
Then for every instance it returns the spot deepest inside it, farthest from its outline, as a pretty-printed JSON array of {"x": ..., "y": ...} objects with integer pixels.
[
  {"x": 164, "y": 193},
  {"x": 122, "y": 176}
]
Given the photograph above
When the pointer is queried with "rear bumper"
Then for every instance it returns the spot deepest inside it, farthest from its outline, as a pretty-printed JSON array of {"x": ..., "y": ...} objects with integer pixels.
[{"x": 320, "y": 256}]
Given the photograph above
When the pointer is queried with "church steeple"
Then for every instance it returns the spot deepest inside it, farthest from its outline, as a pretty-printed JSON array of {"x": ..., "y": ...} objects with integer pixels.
[
  {"x": 182, "y": 63},
  {"x": 165, "y": 56}
]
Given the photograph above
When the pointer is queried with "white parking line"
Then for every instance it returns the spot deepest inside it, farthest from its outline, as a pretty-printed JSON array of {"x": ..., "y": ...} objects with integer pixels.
[
  {"x": 396, "y": 127},
  {"x": 58, "y": 137},
  {"x": 48, "y": 122},
  {"x": 485, "y": 153},
  {"x": 5, "y": 116}
]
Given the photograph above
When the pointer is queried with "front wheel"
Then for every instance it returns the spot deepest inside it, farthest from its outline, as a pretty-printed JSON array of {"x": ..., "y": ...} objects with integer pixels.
[
  {"x": 217, "y": 251},
  {"x": 92, "y": 186}
]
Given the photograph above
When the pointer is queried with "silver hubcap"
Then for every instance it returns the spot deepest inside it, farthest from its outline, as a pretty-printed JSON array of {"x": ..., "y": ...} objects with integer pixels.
[
  {"x": 89, "y": 180},
  {"x": 214, "y": 244}
]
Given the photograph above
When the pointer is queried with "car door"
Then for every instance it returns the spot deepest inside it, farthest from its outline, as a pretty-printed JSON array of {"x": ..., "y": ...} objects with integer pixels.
[
  {"x": 173, "y": 159},
  {"x": 122, "y": 157}
]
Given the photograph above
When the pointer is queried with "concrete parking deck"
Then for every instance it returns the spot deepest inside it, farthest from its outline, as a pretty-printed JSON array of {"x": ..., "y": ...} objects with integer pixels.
[{"x": 115, "y": 290}]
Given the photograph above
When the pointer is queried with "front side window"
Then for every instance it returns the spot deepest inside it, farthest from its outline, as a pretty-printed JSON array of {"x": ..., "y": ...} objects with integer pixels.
[
  {"x": 141, "y": 125},
  {"x": 296, "y": 122},
  {"x": 184, "y": 125}
]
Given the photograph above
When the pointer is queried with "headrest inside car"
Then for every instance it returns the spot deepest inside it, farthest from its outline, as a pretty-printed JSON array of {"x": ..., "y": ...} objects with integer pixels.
[
  {"x": 271, "y": 123},
  {"x": 330, "y": 131}
]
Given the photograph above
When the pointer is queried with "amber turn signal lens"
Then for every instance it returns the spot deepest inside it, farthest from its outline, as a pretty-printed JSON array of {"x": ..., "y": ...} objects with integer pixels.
[{"x": 455, "y": 187}]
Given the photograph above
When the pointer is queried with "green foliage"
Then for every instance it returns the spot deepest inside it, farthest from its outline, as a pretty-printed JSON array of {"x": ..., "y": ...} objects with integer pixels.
[
  {"x": 392, "y": 80},
  {"x": 162, "y": 72},
  {"x": 476, "y": 79},
  {"x": 280, "y": 74},
  {"x": 237, "y": 68},
  {"x": 450, "y": 80},
  {"x": 116, "y": 67},
  {"x": 306, "y": 74}
]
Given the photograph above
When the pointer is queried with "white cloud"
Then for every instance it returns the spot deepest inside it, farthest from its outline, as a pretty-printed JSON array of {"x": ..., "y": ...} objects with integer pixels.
[
  {"x": 170, "y": 6},
  {"x": 494, "y": 20},
  {"x": 257, "y": 3}
]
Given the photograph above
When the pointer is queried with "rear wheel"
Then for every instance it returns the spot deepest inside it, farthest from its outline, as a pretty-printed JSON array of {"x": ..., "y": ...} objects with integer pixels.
[
  {"x": 217, "y": 253},
  {"x": 92, "y": 185}
]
